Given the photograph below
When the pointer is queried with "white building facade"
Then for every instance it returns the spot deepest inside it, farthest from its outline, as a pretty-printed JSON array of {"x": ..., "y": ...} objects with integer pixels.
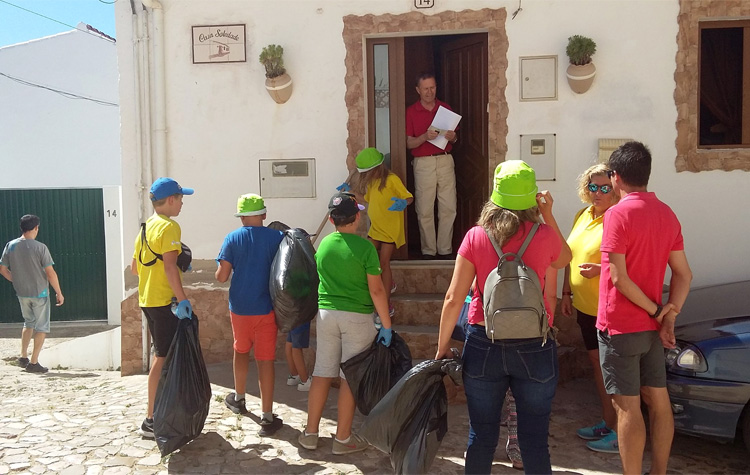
[{"x": 211, "y": 125}]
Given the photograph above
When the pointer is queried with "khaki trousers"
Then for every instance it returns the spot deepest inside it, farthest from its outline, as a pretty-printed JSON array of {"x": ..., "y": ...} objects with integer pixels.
[{"x": 434, "y": 177}]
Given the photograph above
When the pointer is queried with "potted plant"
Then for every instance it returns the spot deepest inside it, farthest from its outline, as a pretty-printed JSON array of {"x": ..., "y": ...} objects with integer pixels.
[
  {"x": 278, "y": 82},
  {"x": 581, "y": 71}
]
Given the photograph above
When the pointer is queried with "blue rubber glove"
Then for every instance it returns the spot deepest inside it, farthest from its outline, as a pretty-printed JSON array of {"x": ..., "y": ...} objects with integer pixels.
[
  {"x": 398, "y": 204},
  {"x": 384, "y": 336},
  {"x": 185, "y": 310},
  {"x": 344, "y": 187}
]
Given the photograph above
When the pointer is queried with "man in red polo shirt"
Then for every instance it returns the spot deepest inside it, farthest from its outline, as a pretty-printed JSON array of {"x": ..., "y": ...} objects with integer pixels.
[
  {"x": 641, "y": 237},
  {"x": 433, "y": 170}
]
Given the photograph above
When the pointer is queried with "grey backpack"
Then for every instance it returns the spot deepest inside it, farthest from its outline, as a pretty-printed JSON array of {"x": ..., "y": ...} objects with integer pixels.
[{"x": 512, "y": 299}]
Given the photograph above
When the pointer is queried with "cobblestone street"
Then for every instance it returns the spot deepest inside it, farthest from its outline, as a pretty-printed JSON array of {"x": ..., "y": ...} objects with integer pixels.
[{"x": 84, "y": 422}]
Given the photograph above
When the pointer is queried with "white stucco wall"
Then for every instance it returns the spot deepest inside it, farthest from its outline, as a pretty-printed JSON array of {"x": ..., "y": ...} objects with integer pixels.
[
  {"x": 220, "y": 121},
  {"x": 51, "y": 141}
]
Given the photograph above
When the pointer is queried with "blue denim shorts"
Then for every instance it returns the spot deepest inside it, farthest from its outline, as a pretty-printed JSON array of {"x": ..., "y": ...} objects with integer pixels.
[
  {"x": 36, "y": 313},
  {"x": 300, "y": 336}
]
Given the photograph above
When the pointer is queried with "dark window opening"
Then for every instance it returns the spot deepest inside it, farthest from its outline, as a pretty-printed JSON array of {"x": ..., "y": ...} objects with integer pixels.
[{"x": 724, "y": 77}]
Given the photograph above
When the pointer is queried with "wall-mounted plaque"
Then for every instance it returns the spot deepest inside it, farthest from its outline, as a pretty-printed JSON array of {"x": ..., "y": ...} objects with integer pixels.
[{"x": 219, "y": 44}]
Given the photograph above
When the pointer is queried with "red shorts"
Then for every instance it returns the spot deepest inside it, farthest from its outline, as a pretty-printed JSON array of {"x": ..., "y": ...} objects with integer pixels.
[{"x": 257, "y": 331}]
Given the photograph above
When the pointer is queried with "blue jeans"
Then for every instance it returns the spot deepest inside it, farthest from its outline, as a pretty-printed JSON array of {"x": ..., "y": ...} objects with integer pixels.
[{"x": 531, "y": 371}]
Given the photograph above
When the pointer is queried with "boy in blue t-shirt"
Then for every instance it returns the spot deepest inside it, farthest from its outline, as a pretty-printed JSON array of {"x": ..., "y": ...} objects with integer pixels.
[{"x": 246, "y": 256}]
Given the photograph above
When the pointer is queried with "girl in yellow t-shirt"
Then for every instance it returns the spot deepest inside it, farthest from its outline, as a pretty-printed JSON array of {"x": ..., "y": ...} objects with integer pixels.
[
  {"x": 581, "y": 290},
  {"x": 387, "y": 198}
]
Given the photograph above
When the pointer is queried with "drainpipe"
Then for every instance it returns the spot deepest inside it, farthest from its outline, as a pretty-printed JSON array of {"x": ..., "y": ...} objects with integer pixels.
[
  {"x": 159, "y": 124},
  {"x": 143, "y": 138}
]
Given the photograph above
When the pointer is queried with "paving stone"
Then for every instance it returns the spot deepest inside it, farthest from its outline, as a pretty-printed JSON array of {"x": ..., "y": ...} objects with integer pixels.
[
  {"x": 17, "y": 458},
  {"x": 74, "y": 470}
]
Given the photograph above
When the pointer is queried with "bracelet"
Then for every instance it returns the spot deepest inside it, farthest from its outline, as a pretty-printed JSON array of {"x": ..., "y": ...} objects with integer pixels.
[
  {"x": 568, "y": 293},
  {"x": 659, "y": 308}
]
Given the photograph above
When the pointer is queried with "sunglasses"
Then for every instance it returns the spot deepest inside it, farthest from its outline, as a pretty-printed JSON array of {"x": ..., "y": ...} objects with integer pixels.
[{"x": 604, "y": 188}]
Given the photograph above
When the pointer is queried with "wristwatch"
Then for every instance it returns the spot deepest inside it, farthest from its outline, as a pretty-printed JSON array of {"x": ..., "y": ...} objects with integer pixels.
[{"x": 659, "y": 308}]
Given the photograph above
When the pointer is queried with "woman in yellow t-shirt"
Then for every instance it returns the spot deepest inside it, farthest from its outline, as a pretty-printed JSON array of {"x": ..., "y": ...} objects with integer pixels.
[{"x": 581, "y": 291}]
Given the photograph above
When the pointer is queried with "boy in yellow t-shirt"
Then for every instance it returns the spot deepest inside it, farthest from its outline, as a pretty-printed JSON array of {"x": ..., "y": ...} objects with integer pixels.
[{"x": 159, "y": 279}]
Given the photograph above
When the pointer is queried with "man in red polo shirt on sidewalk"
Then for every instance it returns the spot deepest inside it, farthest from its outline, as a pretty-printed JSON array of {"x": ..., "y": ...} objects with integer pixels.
[
  {"x": 642, "y": 236},
  {"x": 433, "y": 170}
]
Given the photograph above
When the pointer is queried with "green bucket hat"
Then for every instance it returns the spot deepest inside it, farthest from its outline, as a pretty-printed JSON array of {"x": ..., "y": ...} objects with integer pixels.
[
  {"x": 368, "y": 159},
  {"x": 250, "y": 205},
  {"x": 515, "y": 185}
]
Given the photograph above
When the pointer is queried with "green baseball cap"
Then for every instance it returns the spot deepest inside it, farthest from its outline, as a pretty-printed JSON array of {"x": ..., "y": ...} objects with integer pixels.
[
  {"x": 515, "y": 185},
  {"x": 368, "y": 159},
  {"x": 250, "y": 205}
]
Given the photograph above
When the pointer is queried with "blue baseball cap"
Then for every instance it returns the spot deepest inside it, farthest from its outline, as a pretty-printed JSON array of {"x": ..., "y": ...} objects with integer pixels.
[{"x": 164, "y": 187}]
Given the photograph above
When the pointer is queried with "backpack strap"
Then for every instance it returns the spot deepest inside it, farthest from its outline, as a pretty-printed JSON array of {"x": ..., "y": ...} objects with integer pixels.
[
  {"x": 528, "y": 240},
  {"x": 525, "y": 244},
  {"x": 140, "y": 252}
]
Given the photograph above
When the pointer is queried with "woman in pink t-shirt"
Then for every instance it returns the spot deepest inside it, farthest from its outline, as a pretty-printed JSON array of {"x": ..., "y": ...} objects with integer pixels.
[{"x": 528, "y": 366}]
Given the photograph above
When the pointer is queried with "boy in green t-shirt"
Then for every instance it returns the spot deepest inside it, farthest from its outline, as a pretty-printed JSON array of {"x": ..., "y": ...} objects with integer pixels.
[
  {"x": 159, "y": 280},
  {"x": 350, "y": 289}
]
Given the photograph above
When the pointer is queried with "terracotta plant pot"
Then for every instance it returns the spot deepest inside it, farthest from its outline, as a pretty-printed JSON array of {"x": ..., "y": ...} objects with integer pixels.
[
  {"x": 580, "y": 78},
  {"x": 279, "y": 88}
]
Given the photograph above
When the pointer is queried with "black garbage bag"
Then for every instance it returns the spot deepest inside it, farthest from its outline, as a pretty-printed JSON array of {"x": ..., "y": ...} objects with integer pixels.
[
  {"x": 294, "y": 281},
  {"x": 184, "y": 392},
  {"x": 409, "y": 423},
  {"x": 372, "y": 373}
]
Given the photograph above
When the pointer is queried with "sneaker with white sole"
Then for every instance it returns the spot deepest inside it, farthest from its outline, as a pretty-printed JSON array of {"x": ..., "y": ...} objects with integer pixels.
[
  {"x": 305, "y": 387},
  {"x": 147, "y": 428},
  {"x": 607, "y": 445},
  {"x": 594, "y": 432},
  {"x": 292, "y": 380},
  {"x": 308, "y": 441},
  {"x": 354, "y": 444}
]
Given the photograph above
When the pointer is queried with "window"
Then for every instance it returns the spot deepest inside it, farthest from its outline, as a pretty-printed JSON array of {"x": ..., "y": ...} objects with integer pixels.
[{"x": 724, "y": 87}]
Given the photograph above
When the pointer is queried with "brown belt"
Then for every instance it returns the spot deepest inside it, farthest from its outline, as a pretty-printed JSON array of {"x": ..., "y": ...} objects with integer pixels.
[{"x": 430, "y": 156}]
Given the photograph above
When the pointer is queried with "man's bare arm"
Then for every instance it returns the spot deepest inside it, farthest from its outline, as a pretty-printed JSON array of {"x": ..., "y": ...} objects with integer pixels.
[
  {"x": 622, "y": 282},
  {"x": 6, "y": 273},
  {"x": 55, "y": 283}
]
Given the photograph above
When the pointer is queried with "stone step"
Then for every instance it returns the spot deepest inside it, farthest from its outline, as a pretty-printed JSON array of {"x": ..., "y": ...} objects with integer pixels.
[
  {"x": 417, "y": 309},
  {"x": 422, "y": 277}
]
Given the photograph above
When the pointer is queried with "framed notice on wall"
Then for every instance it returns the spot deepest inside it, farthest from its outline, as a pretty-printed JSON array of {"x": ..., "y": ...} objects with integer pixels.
[{"x": 219, "y": 44}]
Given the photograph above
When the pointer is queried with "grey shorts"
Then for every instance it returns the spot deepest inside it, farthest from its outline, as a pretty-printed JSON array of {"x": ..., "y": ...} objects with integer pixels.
[
  {"x": 35, "y": 311},
  {"x": 632, "y": 360},
  {"x": 340, "y": 335}
]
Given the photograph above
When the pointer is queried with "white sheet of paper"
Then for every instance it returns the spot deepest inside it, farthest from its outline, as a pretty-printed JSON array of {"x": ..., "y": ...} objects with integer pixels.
[{"x": 444, "y": 120}]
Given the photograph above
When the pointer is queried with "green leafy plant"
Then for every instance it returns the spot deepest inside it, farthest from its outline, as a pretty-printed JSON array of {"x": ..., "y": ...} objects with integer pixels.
[
  {"x": 272, "y": 59},
  {"x": 580, "y": 50}
]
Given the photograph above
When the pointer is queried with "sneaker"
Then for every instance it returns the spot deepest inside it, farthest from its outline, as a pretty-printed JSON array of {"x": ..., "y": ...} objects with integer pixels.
[
  {"x": 305, "y": 387},
  {"x": 292, "y": 380},
  {"x": 268, "y": 428},
  {"x": 238, "y": 407},
  {"x": 35, "y": 368},
  {"x": 393, "y": 287},
  {"x": 308, "y": 441},
  {"x": 594, "y": 432},
  {"x": 355, "y": 444},
  {"x": 23, "y": 362},
  {"x": 147, "y": 428},
  {"x": 607, "y": 445}
]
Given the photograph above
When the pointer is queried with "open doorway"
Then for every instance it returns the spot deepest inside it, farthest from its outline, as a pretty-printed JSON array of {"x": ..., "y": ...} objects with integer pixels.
[{"x": 459, "y": 63}]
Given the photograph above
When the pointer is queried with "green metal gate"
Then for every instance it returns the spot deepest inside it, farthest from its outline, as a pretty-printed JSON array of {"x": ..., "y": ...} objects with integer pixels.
[{"x": 72, "y": 227}]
